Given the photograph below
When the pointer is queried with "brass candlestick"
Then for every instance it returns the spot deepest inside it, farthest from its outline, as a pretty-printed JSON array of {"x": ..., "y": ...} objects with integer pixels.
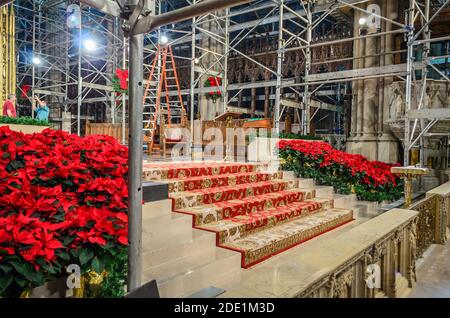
[{"x": 408, "y": 174}]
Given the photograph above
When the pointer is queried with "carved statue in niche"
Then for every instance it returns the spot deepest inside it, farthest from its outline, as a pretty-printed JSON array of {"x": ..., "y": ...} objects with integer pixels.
[
  {"x": 396, "y": 105},
  {"x": 440, "y": 97}
]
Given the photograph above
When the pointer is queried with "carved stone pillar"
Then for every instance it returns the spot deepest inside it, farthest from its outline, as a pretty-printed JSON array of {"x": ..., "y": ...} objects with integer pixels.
[
  {"x": 208, "y": 109},
  {"x": 370, "y": 105}
]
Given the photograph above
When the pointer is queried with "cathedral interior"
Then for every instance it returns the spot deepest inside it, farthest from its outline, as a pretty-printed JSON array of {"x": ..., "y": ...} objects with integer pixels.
[{"x": 368, "y": 77}]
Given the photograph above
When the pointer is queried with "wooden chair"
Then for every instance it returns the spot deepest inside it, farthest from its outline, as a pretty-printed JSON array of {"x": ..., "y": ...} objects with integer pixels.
[{"x": 171, "y": 136}]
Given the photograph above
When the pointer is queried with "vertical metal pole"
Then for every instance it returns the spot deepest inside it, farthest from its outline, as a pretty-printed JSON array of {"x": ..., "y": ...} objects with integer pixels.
[
  {"x": 33, "y": 76},
  {"x": 124, "y": 95},
  {"x": 113, "y": 108},
  {"x": 67, "y": 79},
  {"x": 307, "y": 111},
  {"x": 280, "y": 54},
  {"x": 225, "y": 65},
  {"x": 426, "y": 52},
  {"x": 80, "y": 85},
  {"x": 192, "y": 95},
  {"x": 135, "y": 157},
  {"x": 409, "y": 70}
]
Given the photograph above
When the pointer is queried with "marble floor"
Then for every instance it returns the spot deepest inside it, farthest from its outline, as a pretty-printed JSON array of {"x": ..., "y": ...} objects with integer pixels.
[{"x": 433, "y": 273}]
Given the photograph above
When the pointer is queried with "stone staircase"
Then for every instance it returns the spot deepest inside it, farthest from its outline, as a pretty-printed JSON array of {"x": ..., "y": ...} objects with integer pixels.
[{"x": 222, "y": 217}]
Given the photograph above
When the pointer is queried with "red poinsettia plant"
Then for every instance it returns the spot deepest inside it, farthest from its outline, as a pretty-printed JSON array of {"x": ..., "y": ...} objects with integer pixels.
[
  {"x": 63, "y": 201},
  {"x": 213, "y": 81},
  {"x": 370, "y": 180}
]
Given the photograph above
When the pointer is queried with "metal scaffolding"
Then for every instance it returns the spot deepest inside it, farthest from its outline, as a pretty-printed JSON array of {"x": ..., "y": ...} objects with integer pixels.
[
  {"x": 77, "y": 83},
  {"x": 55, "y": 60},
  {"x": 293, "y": 23},
  {"x": 422, "y": 117}
]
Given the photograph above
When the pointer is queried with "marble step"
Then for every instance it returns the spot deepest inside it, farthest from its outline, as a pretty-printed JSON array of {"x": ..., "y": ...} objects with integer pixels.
[
  {"x": 267, "y": 243},
  {"x": 156, "y": 209},
  {"x": 324, "y": 191},
  {"x": 190, "y": 199},
  {"x": 367, "y": 209},
  {"x": 160, "y": 251},
  {"x": 166, "y": 226},
  {"x": 306, "y": 183},
  {"x": 344, "y": 201},
  {"x": 208, "y": 213},
  {"x": 303, "y": 182},
  {"x": 229, "y": 280},
  {"x": 239, "y": 227},
  {"x": 194, "y": 272}
]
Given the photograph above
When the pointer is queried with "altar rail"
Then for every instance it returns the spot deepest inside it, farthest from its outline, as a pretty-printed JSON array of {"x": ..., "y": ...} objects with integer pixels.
[
  {"x": 397, "y": 251},
  {"x": 342, "y": 265},
  {"x": 389, "y": 249}
]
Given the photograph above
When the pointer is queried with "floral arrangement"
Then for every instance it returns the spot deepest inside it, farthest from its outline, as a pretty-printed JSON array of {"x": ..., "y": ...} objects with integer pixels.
[
  {"x": 213, "y": 81},
  {"x": 120, "y": 81},
  {"x": 347, "y": 173},
  {"x": 24, "y": 91},
  {"x": 64, "y": 201}
]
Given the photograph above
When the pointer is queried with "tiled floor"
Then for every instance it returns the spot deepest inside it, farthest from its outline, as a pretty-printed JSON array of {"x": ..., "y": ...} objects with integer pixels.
[{"x": 433, "y": 274}]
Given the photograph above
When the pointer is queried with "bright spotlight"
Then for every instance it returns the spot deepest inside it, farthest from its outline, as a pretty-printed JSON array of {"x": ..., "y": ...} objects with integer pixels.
[
  {"x": 36, "y": 60},
  {"x": 164, "y": 39},
  {"x": 362, "y": 21},
  {"x": 90, "y": 45}
]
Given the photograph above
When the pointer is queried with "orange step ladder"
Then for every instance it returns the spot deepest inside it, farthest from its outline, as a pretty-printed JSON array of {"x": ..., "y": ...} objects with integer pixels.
[{"x": 161, "y": 103}]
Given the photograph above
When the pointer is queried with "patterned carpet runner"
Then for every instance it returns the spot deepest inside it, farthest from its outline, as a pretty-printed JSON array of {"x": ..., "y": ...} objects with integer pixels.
[{"x": 252, "y": 211}]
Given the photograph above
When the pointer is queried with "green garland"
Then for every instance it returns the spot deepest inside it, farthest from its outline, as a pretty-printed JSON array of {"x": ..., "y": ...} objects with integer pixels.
[
  {"x": 297, "y": 136},
  {"x": 116, "y": 86},
  {"x": 22, "y": 121}
]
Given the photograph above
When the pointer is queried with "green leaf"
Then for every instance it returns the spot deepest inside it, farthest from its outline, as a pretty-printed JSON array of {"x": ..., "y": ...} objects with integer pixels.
[
  {"x": 21, "y": 281},
  {"x": 28, "y": 272},
  {"x": 85, "y": 256},
  {"x": 75, "y": 253},
  {"x": 67, "y": 240},
  {"x": 95, "y": 264},
  {"x": 5, "y": 281},
  {"x": 5, "y": 268},
  {"x": 65, "y": 256}
]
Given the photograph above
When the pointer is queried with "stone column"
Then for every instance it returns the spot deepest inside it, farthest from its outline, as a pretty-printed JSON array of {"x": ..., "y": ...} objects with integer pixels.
[
  {"x": 208, "y": 109},
  {"x": 370, "y": 106}
]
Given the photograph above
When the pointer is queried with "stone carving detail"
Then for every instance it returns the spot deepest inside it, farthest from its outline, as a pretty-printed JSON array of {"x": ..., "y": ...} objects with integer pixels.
[
  {"x": 411, "y": 274},
  {"x": 426, "y": 230},
  {"x": 436, "y": 96},
  {"x": 443, "y": 204},
  {"x": 338, "y": 286}
]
